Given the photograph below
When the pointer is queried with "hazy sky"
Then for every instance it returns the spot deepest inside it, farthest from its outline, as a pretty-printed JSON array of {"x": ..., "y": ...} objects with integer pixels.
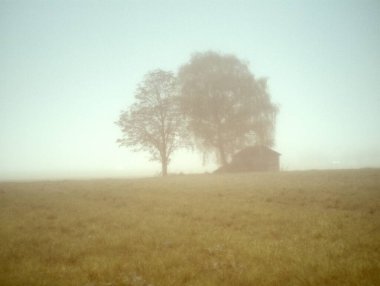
[{"x": 67, "y": 69}]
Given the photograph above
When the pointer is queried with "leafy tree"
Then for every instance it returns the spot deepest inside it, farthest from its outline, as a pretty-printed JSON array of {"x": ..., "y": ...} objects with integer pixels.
[
  {"x": 154, "y": 122},
  {"x": 227, "y": 107}
]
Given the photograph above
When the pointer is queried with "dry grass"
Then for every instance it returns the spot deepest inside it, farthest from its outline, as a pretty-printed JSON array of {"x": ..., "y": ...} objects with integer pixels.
[{"x": 292, "y": 228}]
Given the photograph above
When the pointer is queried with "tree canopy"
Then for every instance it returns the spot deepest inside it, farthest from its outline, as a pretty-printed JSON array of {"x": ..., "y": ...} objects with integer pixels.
[
  {"x": 226, "y": 106},
  {"x": 154, "y": 122}
]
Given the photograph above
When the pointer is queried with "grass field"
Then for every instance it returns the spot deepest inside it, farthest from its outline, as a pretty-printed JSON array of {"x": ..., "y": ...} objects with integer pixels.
[{"x": 287, "y": 228}]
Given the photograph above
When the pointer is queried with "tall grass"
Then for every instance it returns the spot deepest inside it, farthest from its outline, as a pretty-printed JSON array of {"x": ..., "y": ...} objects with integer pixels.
[{"x": 290, "y": 228}]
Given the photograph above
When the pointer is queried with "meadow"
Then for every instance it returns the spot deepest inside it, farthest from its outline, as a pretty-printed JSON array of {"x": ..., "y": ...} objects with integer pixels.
[{"x": 285, "y": 228}]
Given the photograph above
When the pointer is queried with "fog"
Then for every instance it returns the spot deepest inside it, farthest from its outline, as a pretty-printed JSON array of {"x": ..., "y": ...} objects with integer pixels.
[{"x": 69, "y": 67}]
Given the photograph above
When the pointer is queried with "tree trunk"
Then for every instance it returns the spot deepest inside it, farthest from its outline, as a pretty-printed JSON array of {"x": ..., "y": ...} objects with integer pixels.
[
  {"x": 164, "y": 169},
  {"x": 222, "y": 154}
]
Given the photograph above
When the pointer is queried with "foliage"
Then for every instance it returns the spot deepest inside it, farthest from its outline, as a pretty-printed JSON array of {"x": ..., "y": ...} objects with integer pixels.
[
  {"x": 154, "y": 123},
  {"x": 227, "y": 107}
]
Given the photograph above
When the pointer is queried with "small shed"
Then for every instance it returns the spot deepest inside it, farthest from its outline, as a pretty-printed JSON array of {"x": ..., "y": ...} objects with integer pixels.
[{"x": 257, "y": 158}]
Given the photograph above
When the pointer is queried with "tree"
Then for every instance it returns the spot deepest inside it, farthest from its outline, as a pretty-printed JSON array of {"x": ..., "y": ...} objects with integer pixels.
[
  {"x": 227, "y": 108},
  {"x": 154, "y": 122}
]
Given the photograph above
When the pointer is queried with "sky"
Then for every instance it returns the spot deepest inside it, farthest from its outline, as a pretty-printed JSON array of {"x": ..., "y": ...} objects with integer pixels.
[{"x": 68, "y": 68}]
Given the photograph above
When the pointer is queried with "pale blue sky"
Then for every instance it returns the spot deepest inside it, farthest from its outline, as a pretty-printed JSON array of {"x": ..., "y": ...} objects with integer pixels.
[{"x": 67, "y": 68}]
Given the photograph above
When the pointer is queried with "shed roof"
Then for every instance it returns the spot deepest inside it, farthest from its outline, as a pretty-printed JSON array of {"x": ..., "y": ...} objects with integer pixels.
[{"x": 256, "y": 149}]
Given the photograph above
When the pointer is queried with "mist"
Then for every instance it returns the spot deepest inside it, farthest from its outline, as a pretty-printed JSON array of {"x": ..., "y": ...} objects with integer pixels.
[
  {"x": 69, "y": 67},
  {"x": 169, "y": 143}
]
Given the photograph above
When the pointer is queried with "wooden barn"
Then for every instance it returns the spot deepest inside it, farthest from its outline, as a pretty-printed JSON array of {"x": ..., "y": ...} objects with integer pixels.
[{"x": 254, "y": 158}]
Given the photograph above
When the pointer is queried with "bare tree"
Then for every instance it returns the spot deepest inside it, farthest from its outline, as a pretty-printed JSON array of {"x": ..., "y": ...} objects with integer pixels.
[
  {"x": 226, "y": 106},
  {"x": 154, "y": 122}
]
